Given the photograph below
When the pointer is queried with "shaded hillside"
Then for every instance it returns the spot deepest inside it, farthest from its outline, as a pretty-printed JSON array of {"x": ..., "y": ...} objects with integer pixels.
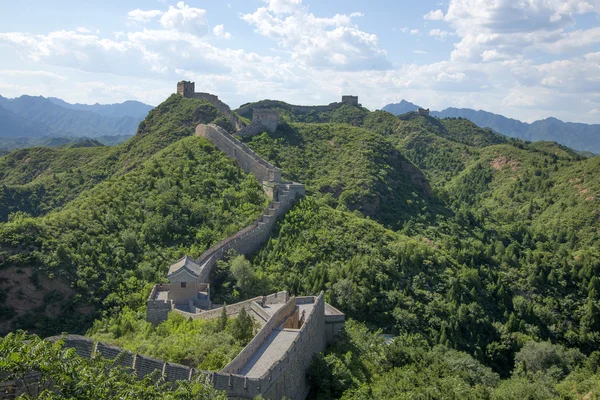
[
  {"x": 12, "y": 126},
  {"x": 37, "y": 180},
  {"x": 15, "y": 143},
  {"x": 128, "y": 108},
  {"x": 357, "y": 169},
  {"x": 50, "y": 119},
  {"x": 105, "y": 246},
  {"x": 582, "y": 137},
  {"x": 337, "y": 113}
]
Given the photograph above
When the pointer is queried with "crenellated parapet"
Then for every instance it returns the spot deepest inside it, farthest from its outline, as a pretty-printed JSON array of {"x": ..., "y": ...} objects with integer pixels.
[{"x": 272, "y": 365}]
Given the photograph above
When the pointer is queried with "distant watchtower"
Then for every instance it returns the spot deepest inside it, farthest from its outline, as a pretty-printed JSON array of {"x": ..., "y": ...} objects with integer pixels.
[
  {"x": 350, "y": 100},
  {"x": 186, "y": 89},
  {"x": 423, "y": 111},
  {"x": 267, "y": 117}
]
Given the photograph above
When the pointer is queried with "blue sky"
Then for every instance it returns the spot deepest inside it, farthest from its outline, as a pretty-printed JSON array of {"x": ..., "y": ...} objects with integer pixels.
[{"x": 524, "y": 59}]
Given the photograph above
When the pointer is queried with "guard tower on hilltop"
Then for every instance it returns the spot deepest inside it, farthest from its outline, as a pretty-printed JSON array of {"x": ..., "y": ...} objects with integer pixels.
[
  {"x": 350, "y": 100},
  {"x": 423, "y": 111},
  {"x": 186, "y": 88},
  {"x": 269, "y": 118}
]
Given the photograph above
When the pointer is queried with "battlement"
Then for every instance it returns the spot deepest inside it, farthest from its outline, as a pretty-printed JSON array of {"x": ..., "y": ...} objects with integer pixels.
[
  {"x": 423, "y": 111},
  {"x": 272, "y": 365}
]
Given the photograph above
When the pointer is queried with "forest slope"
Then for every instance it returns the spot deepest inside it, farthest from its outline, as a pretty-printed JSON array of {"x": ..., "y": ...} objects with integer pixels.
[
  {"x": 477, "y": 251},
  {"x": 38, "y": 180},
  {"x": 102, "y": 248}
]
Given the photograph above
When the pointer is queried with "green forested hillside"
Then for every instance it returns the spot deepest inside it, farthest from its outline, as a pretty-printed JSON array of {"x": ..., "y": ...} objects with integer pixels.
[
  {"x": 515, "y": 260},
  {"x": 37, "y": 180},
  {"x": 479, "y": 253},
  {"x": 354, "y": 168},
  {"x": 105, "y": 246}
]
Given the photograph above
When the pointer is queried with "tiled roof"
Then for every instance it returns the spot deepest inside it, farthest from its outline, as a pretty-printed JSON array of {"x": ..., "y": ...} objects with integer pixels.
[{"x": 184, "y": 263}]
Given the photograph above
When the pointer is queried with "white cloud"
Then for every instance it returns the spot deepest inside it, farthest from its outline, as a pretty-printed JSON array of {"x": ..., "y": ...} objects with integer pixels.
[
  {"x": 29, "y": 74},
  {"x": 512, "y": 27},
  {"x": 184, "y": 18},
  {"x": 283, "y": 6},
  {"x": 138, "y": 15},
  {"x": 334, "y": 42},
  {"x": 440, "y": 34},
  {"x": 494, "y": 55},
  {"x": 574, "y": 40},
  {"x": 434, "y": 15},
  {"x": 219, "y": 31},
  {"x": 320, "y": 58}
]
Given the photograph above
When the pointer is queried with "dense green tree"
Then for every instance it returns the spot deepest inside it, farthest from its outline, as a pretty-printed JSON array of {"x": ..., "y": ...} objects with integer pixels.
[{"x": 61, "y": 374}]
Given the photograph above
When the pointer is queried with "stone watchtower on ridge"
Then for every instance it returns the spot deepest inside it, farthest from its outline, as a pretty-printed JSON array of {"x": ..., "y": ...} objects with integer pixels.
[
  {"x": 350, "y": 100},
  {"x": 186, "y": 88},
  {"x": 267, "y": 117}
]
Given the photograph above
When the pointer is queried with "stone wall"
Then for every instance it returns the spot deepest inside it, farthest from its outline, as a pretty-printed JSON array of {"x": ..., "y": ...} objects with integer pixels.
[
  {"x": 222, "y": 107},
  {"x": 138, "y": 364},
  {"x": 157, "y": 311},
  {"x": 267, "y": 117},
  {"x": 254, "y": 128},
  {"x": 254, "y": 236},
  {"x": 294, "y": 108},
  {"x": 277, "y": 319},
  {"x": 334, "y": 322},
  {"x": 246, "y": 158},
  {"x": 287, "y": 376}
]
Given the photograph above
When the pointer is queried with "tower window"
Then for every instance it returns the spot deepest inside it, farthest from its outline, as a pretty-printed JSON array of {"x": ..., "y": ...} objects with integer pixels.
[{"x": 183, "y": 284}]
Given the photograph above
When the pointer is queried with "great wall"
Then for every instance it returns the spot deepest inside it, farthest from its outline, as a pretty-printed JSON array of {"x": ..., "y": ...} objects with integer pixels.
[{"x": 292, "y": 329}]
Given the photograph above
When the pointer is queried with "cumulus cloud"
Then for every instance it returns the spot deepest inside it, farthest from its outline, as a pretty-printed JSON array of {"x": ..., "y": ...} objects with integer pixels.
[
  {"x": 512, "y": 27},
  {"x": 334, "y": 42},
  {"x": 440, "y": 34},
  {"x": 184, "y": 18},
  {"x": 323, "y": 57},
  {"x": 138, "y": 15},
  {"x": 219, "y": 31},
  {"x": 434, "y": 15},
  {"x": 283, "y": 6}
]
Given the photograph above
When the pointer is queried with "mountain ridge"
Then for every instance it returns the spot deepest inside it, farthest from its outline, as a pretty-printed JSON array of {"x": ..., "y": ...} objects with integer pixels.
[
  {"x": 579, "y": 136},
  {"x": 37, "y": 116}
]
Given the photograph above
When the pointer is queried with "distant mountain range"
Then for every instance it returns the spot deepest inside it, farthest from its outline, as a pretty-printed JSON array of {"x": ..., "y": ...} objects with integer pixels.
[
  {"x": 38, "y": 117},
  {"x": 582, "y": 137}
]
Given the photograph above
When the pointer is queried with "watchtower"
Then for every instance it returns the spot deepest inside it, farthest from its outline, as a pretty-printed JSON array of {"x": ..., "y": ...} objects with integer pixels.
[
  {"x": 267, "y": 117},
  {"x": 423, "y": 111},
  {"x": 186, "y": 89},
  {"x": 350, "y": 100}
]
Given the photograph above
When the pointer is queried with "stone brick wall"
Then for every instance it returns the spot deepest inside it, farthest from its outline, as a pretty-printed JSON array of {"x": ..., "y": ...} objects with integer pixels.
[
  {"x": 278, "y": 317},
  {"x": 222, "y": 107},
  {"x": 138, "y": 364},
  {"x": 285, "y": 378},
  {"x": 301, "y": 109},
  {"x": 157, "y": 311},
  {"x": 246, "y": 158},
  {"x": 267, "y": 117},
  {"x": 350, "y": 100},
  {"x": 254, "y": 128}
]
